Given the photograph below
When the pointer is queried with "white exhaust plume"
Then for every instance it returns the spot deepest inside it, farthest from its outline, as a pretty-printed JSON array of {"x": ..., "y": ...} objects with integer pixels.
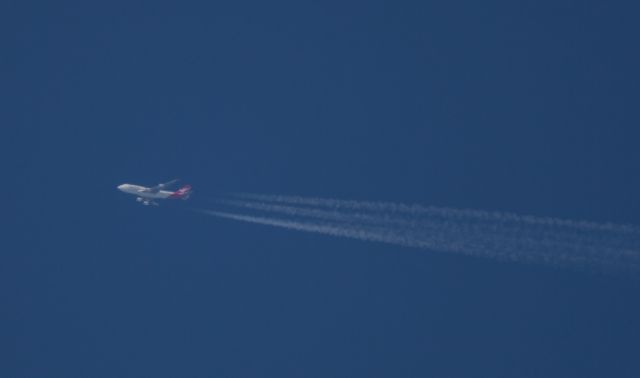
[
  {"x": 389, "y": 207},
  {"x": 502, "y": 236}
]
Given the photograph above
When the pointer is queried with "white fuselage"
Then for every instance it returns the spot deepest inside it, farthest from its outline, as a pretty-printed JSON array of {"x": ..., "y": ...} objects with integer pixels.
[{"x": 139, "y": 191}]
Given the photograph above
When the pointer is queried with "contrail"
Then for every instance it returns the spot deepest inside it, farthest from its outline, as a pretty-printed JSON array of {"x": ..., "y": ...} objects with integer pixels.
[
  {"x": 317, "y": 227},
  {"x": 325, "y": 214},
  {"x": 389, "y": 207},
  {"x": 421, "y": 217},
  {"x": 501, "y": 236},
  {"x": 389, "y": 222},
  {"x": 340, "y": 230}
]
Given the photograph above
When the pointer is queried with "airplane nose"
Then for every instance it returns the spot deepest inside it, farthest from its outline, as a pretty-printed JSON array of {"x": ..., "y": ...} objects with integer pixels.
[{"x": 121, "y": 187}]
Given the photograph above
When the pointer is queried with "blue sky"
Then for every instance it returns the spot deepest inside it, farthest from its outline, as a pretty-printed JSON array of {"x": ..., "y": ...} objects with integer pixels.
[{"x": 528, "y": 107}]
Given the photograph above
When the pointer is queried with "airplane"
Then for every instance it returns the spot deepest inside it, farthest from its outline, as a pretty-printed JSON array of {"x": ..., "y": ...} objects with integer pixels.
[{"x": 147, "y": 195}]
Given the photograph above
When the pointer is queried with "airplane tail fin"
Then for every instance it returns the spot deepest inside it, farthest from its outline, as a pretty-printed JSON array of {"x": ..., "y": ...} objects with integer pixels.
[{"x": 182, "y": 193}]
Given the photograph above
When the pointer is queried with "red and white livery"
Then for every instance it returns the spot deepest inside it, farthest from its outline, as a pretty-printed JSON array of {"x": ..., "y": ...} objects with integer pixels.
[{"x": 147, "y": 196}]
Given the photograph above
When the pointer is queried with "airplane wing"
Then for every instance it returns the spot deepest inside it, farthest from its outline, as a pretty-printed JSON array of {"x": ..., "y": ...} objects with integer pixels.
[{"x": 157, "y": 188}]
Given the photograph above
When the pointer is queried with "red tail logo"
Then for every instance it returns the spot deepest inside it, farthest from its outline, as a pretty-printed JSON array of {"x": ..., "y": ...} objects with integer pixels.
[{"x": 182, "y": 193}]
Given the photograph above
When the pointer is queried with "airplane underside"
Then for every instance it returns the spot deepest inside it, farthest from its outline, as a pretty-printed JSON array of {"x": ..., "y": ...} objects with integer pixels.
[{"x": 147, "y": 201}]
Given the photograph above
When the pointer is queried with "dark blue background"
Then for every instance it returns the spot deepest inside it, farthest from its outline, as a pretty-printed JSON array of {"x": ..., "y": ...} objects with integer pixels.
[{"x": 523, "y": 106}]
